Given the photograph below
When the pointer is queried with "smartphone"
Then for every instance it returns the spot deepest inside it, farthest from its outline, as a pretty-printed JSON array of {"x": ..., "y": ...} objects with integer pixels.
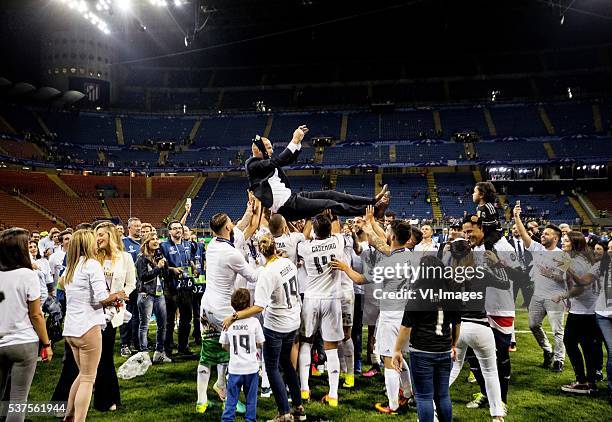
[
  {"x": 518, "y": 202},
  {"x": 188, "y": 201},
  {"x": 43, "y": 354}
]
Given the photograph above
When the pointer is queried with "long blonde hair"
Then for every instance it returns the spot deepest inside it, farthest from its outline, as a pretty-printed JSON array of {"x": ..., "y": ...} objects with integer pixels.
[
  {"x": 81, "y": 244},
  {"x": 114, "y": 242}
]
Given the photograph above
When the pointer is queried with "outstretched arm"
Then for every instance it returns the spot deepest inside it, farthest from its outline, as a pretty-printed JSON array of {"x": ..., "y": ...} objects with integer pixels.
[
  {"x": 369, "y": 218},
  {"x": 248, "y": 213},
  {"x": 521, "y": 228},
  {"x": 286, "y": 157},
  {"x": 351, "y": 273},
  {"x": 187, "y": 209}
]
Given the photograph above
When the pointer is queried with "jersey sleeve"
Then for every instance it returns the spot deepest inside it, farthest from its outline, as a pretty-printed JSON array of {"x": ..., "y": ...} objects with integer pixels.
[
  {"x": 239, "y": 265},
  {"x": 264, "y": 289},
  {"x": 259, "y": 335},
  {"x": 32, "y": 286}
]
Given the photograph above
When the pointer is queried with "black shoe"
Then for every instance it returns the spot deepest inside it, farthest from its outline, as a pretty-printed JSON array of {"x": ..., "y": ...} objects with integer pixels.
[
  {"x": 185, "y": 352},
  {"x": 548, "y": 357},
  {"x": 599, "y": 376},
  {"x": 557, "y": 366}
]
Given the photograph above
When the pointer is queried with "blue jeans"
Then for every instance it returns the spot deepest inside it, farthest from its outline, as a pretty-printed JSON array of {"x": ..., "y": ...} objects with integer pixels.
[
  {"x": 605, "y": 326},
  {"x": 430, "y": 377},
  {"x": 277, "y": 350},
  {"x": 148, "y": 304},
  {"x": 249, "y": 383}
]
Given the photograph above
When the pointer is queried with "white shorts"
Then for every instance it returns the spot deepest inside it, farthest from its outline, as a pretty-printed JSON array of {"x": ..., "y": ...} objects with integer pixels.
[
  {"x": 348, "y": 308},
  {"x": 325, "y": 314},
  {"x": 386, "y": 334}
]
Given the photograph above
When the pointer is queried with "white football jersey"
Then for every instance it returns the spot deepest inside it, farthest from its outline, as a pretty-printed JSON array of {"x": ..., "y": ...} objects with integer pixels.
[
  {"x": 287, "y": 244},
  {"x": 322, "y": 281}
]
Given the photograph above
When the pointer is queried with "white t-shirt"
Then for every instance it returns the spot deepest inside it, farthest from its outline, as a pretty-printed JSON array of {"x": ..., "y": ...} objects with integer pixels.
[
  {"x": 584, "y": 303},
  {"x": 287, "y": 245},
  {"x": 56, "y": 264},
  {"x": 603, "y": 305},
  {"x": 346, "y": 284},
  {"x": 83, "y": 295},
  {"x": 322, "y": 281},
  {"x": 223, "y": 263},
  {"x": 280, "y": 192},
  {"x": 277, "y": 293},
  {"x": 545, "y": 287},
  {"x": 427, "y": 247},
  {"x": 243, "y": 337},
  {"x": 19, "y": 287}
]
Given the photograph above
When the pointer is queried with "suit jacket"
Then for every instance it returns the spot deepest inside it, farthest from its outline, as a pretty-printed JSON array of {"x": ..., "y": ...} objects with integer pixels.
[
  {"x": 527, "y": 257},
  {"x": 259, "y": 170}
]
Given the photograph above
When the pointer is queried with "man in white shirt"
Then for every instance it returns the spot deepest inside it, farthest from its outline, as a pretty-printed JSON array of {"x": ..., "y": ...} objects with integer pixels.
[
  {"x": 427, "y": 244},
  {"x": 270, "y": 185},
  {"x": 56, "y": 260},
  {"x": 548, "y": 267},
  {"x": 322, "y": 307},
  {"x": 223, "y": 264}
]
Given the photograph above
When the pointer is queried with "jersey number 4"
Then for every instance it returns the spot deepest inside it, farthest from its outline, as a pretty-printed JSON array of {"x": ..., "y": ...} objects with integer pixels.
[
  {"x": 324, "y": 260},
  {"x": 290, "y": 291}
]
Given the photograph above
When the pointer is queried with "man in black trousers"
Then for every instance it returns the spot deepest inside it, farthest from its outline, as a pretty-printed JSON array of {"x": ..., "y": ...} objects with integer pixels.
[{"x": 270, "y": 185}]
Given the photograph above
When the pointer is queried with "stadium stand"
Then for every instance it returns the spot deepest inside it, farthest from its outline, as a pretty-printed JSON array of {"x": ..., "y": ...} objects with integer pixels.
[
  {"x": 455, "y": 193},
  {"x": 14, "y": 213},
  {"x": 517, "y": 120},
  {"x": 356, "y": 185},
  {"x": 571, "y": 118},
  {"x": 364, "y": 126},
  {"x": 409, "y": 192},
  {"x": 136, "y": 130},
  {"x": 230, "y": 130},
  {"x": 82, "y": 128},
  {"x": 358, "y": 154},
  {"x": 463, "y": 119},
  {"x": 21, "y": 119},
  {"x": 583, "y": 148},
  {"x": 428, "y": 151},
  {"x": 511, "y": 150},
  {"x": 555, "y": 208},
  {"x": 601, "y": 200},
  {"x": 21, "y": 149},
  {"x": 320, "y": 124}
]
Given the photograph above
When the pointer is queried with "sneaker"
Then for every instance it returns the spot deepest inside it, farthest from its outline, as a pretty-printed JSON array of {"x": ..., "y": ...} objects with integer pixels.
[
  {"x": 266, "y": 392},
  {"x": 557, "y": 366},
  {"x": 576, "y": 388},
  {"x": 498, "y": 419},
  {"x": 349, "y": 381},
  {"x": 305, "y": 395},
  {"x": 599, "y": 376},
  {"x": 385, "y": 409},
  {"x": 201, "y": 407},
  {"x": 221, "y": 391},
  {"x": 548, "y": 357},
  {"x": 512, "y": 347},
  {"x": 299, "y": 414},
  {"x": 480, "y": 400},
  {"x": 282, "y": 418},
  {"x": 329, "y": 401},
  {"x": 471, "y": 378},
  {"x": 375, "y": 370},
  {"x": 126, "y": 352},
  {"x": 358, "y": 367},
  {"x": 160, "y": 357}
]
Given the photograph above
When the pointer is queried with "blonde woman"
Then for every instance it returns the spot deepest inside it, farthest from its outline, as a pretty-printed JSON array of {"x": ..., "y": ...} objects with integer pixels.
[
  {"x": 86, "y": 296},
  {"x": 120, "y": 277}
]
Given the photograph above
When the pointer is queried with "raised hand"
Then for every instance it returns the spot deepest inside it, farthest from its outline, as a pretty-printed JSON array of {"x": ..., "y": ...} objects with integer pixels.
[
  {"x": 369, "y": 215},
  {"x": 299, "y": 133},
  {"x": 517, "y": 211}
]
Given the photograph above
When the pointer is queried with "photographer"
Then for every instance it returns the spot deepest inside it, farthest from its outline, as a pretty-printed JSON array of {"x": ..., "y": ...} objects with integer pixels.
[
  {"x": 178, "y": 288},
  {"x": 151, "y": 268}
]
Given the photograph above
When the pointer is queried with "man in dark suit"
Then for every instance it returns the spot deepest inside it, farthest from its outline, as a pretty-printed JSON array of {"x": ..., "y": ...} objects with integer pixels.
[
  {"x": 270, "y": 185},
  {"x": 524, "y": 257}
]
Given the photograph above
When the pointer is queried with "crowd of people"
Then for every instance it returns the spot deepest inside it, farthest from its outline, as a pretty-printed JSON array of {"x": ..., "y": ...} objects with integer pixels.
[{"x": 266, "y": 296}]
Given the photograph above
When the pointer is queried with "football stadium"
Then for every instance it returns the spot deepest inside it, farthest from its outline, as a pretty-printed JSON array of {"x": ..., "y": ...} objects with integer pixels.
[{"x": 291, "y": 210}]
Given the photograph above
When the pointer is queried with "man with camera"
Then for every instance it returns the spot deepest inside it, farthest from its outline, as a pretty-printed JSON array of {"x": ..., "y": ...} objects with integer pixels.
[
  {"x": 270, "y": 185},
  {"x": 178, "y": 287}
]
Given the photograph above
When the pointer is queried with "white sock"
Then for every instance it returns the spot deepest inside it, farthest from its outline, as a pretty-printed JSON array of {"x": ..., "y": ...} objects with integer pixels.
[
  {"x": 392, "y": 383},
  {"x": 333, "y": 372},
  {"x": 304, "y": 365},
  {"x": 513, "y": 339},
  {"x": 349, "y": 356},
  {"x": 203, "y": 377},
  {"x": 221, "y": 373},
  {"x": 405, "y": 382},
  {"x": 375, "y": 359},
  {"x": 341, "y": 357}
]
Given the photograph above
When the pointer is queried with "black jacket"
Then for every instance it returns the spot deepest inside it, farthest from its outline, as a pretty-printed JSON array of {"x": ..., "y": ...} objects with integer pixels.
[
  {"x": 146, "y": 275},
  {"x": 259, "y": 170}
]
